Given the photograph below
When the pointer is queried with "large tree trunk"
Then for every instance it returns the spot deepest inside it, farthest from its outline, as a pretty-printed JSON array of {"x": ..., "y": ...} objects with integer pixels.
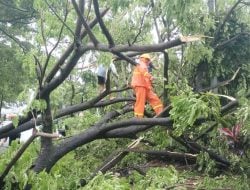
[
  {"x": 165, "y": 75},
  {"x": 47, "y": 147},
  {"x": 200, "y": 76}
]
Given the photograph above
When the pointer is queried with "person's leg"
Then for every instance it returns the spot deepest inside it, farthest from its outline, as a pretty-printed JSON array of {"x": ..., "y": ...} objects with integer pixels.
[
  {"x": 140, "y": 93},
  {"x": 101, "y": 83},
  {"x": 154, "y": 101}
]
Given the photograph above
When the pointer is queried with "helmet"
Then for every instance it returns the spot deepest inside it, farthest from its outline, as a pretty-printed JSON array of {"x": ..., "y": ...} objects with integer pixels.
[{"x": 146, "y": 56}]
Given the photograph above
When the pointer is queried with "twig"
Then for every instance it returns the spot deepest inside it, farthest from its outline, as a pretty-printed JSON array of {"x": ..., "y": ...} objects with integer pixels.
[
  {"x": 223, "y": 83},
  {"x": 9, "y": 5},
  {"x": 220, "y": 27},
  {"x": 55, "y": 46},
  {"x": 195, "y": 146},
  {"x": 246, "y": 3},
  {"x": 228, "y": 97},
  {"x": 69, "y": 50},
  {"x": 141, "y": 25},
  {"x": 48, "y": 135},
  {"x": 89, "y": 9},
  {"x": 38, "y": 70},
  {"x": 16, "y": 40},
  {"x": 43, "y": 36},
  {"x": 109, "y": 163},
  {"x": 59, "y": 18},
  {"x": 165, "y": 153},
  {"x": 223, "y": 44},
  {"x": 205, "y": 132}
]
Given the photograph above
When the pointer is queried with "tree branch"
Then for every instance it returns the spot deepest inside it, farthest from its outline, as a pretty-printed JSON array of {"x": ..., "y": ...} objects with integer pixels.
[
  {"x": 38, "y": 71},
  {"x": 115, "y": 157},
  {"x": 225, "y": 43},
  {"x": 102, "y": 25},
  {"x": 124, "y": 57},
  {"x": 16, "y": 40},
  {"x": 222, "y": 24},
  {"x": 23, "y": 148},
  {"x": 223, "y": 83},
  {"x": 246, "y": 3},
  {"x": 59, "y": 18},
  {"x": 55, "y": 46},
  {"x": 70, "y": 49},
  {"x": 10, "y": 130},
  {"x": 16, "y": 157},
  {"x": 137, "y": 48},
  {"x": 140, "y": 28},
  {"x": 117, "y": 129},
  {"x": 90, "y": 104},
  {"x": 43, "y": 37},
  {"x": 86, "y": 26},
  {"x": 78, "y": 22},
  {"x": 166, "y": 154},
  {"x": 9, "y": 5}
]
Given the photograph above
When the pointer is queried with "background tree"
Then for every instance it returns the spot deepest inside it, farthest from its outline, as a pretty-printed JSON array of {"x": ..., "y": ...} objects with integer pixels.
[
  {"x": 16, "y": 19},
  {"x": 12, "y": 75},
  {"x": 15, "y": 30}
]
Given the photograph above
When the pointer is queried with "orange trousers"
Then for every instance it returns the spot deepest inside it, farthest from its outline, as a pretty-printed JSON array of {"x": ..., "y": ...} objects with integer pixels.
[{"x": 142, "y": 95}]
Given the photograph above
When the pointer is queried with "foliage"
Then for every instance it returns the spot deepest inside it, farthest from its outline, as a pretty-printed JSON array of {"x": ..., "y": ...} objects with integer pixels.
[
  {"x": 18, "y": 173},
  {"x": 128, "y": 22},
  {"x": 59, "y": 176},
  {"x": 38, "y": 105},
  {"x": 12, "y": 75},
  {"x": 15, "y": 19},
  {"x": 79, "y": 165},
  {"x": 156, "y": 178},
  {"x": 78, "y": 123},
  {"x": 236, "y": 182},
  {"x": 206, "y": 164},
  {"x": 159, "y": 137},
  {"x": 107, "y": 181},
  {"x": 188, "y": 107}
]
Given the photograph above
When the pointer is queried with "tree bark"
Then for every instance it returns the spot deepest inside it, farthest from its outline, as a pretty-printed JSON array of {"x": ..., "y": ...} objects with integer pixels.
[
  {"x": 47, "y": 147},
  {"x": 165, "y": 82}
]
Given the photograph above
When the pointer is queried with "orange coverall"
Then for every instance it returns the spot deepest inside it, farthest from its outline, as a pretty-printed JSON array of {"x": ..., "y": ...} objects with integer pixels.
[{"x": 142, "y": 86}]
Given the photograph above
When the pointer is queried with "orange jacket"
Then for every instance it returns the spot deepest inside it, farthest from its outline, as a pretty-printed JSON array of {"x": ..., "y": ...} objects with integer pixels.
[{"x": 141, "y": 76}]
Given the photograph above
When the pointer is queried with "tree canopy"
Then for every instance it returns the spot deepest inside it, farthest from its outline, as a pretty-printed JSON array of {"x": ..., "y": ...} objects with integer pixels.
[{"x": 201, "y": 56}]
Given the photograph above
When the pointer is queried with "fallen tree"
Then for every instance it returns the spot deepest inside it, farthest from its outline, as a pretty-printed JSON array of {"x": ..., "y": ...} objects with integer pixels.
[{"x": 114, "y": 124}]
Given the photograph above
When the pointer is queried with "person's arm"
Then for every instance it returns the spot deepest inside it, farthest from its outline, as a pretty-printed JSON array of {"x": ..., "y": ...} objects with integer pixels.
[
  {"x": 113, "y": 69},
  {"x": 147, "y": 77}
]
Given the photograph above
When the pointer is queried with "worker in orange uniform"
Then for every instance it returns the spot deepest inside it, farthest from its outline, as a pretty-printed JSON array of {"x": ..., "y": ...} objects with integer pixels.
[{"x": 142, "y": 86}]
